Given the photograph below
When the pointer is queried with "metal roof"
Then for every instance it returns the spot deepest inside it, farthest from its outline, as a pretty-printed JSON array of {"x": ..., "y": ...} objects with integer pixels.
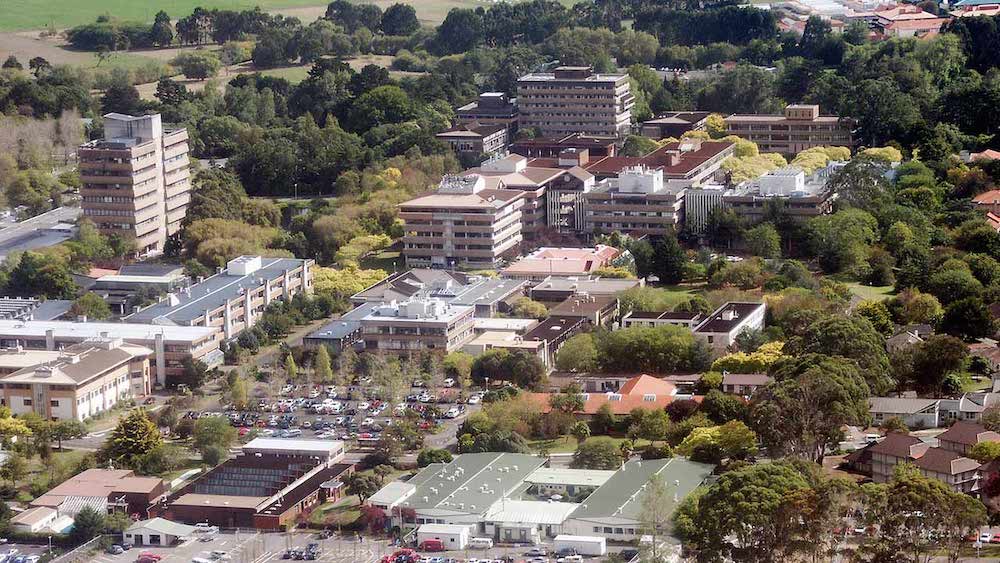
[
  {"x": 471, "y": 482},
  {"x": 286, "y": 446},
  {"x": 561, "y": 476},
  {"x": 127, "y": 331},
  {"x": 162, "y": 526},
  {"x": 530, "y": 512},
  {"x": 621, "y": 496}
]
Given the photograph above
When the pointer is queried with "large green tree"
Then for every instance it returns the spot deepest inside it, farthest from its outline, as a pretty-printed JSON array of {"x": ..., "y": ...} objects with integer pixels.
[{"x": 134, "y": 437}]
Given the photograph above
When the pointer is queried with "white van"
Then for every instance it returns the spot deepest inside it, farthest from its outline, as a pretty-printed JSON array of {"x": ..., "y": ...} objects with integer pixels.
[{"x": 481, "y": 543}]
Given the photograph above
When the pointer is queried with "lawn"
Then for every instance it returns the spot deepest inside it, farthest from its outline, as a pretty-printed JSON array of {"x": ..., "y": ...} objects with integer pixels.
[
  {"x": 387, "y": 260},
  {"x": 876, "y": 293},
  {"x": 19, "y": 15}
]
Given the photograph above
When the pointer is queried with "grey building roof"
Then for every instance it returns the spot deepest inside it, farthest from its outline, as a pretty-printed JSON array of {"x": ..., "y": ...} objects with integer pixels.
[
  {"x": 472, "y": 482},
  {"x": 162, "y": 526},
  {"x": 213, "y": 293},
  {"x": 621, "y": 496}
]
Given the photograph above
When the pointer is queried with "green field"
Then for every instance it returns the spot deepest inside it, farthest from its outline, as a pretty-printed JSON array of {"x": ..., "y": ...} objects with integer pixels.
[
  {"x": 37, "y": 14},
  {"x": 872, "y": 293}
]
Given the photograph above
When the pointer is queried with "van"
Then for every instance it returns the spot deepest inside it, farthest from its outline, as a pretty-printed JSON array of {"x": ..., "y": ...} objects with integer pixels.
[
  {"x": 871, "y": 438},
  {"x": 432, "y": 545},
  {"x": 481, "y": 543},
  {"x": 293, "y": 433}
]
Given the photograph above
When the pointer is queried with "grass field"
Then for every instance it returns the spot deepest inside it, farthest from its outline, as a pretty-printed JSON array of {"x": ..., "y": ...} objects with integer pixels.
[
  {"x": 867, "y": 292},
  {"x": 567, "y": 444}
]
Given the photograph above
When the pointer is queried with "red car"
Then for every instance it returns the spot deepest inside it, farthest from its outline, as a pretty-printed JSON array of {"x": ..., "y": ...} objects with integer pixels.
[
  {"x": 145, "y": 555},
  {"x": 432, "y": 545}
]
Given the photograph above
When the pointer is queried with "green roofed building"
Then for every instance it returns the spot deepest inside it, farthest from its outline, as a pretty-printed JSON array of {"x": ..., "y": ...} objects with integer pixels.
[{"x": 515, "y": 498}]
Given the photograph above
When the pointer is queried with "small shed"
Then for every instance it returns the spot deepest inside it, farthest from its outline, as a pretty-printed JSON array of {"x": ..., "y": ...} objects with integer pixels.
[
  {"x": 453, "y": 536},
  {"x": 34, "y": 520},
  {"x": 157, "y": 531}
]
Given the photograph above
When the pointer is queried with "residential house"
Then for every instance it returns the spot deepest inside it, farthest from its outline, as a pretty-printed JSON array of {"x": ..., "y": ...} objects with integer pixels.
[
  {"x": 744, "y": 384},
  {"x": 896, "y": 448},
  {"x": 722, "y": 327},
  {"x": 962, "y": 436},
  {"x": 915, "y": 413}
]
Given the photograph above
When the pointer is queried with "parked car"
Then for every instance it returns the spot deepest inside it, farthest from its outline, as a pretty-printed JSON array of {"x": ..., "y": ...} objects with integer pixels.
[
  {"x": 115, "y": 550},
  {"x": 432, "y": 545}
]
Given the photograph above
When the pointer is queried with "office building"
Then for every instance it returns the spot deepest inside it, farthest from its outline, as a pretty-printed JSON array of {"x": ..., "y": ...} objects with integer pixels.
[
  {"x": 550, "y": 147},
  {"x": 698, "y": 205},
  {"x": 107, "y": 490},
  {"x": 636, "y": 202},
  {"x": 268, "y": 487},
  {"x": 509, "y": 497},
  {"x": 492, "y": 108},
  {"x": 798, "y": 196},
  {"x": 575, "y": 100},
  {"x": 462, "y": 223},
  {"x": 558, "y": 289},
  {"x": 474, "y": 140},
  {"x": 800, "y": 127},
  {"x": 235, "y": 298},
  {"x": 416, "y": 325},
  {"x": 674, "y": 124},
  {"x": 135, "y": 181},
  {"x": 685, "y": 163},
  {"x": 30, "y": 308},
  {"x": 687, "y": 319},
  {"x": 171, "y": 345},
  {"x": 138, "y": 285},
  {"x": 85, "y": 380}
]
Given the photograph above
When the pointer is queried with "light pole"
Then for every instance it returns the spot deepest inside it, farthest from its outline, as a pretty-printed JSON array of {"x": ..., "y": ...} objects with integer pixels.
[{"x": 50, "y": 544}]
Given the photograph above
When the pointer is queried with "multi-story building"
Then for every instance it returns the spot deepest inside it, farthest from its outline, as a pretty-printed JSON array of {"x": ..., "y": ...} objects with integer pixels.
[
  {"x": 575, "y": 100},
  {"x": 475, "y": 140},
  {"x": 463, "y": 223},
  {"x": 135, "y": 181},
  {"x": 798, "y": 197},
  {"x": 546, "y": 262},
  {"x": 699, "y": 202},
  {"x": 233, "y": 299},
  {"x": 799, "y": 128},
  {"x": 962, "y": 436},
  {"x": 636, "y": 202},
  {"x": 596, "y": 147},
  {"x": 171, "y": 345},
  {"x": 85, "y": 380},
  {"x": 685, "y": 163},
  {"x": 722, "y": 327},
  {"x": 492, "y": 108},
  {"x": 417, "y": 324}
]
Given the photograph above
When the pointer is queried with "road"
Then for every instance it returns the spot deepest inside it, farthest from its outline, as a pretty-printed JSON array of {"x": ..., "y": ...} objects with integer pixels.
[{"x": 33, "y": 233}]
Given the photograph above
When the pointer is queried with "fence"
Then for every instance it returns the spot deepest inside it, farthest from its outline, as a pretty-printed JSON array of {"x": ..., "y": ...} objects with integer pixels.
[{"x": 81, "y": 552}]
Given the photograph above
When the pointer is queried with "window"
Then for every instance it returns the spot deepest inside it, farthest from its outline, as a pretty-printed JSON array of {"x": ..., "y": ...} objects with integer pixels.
[
  {"x": 27, "y": 402},
  {"x": 54, "y": 403}
]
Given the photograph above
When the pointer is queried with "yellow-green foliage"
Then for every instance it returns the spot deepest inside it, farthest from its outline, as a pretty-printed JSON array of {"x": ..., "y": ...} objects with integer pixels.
[
  {"x": 755, "y": 362},
  {"x": 216, "y": 241},
  {"x": 715, "y": 124},
  {"x": 811, "y": 160},
  {"x": 888, "y": 154},
  {"x": 341, "y": 283},
  {"x": 743, "y": 146},
  {"x": 750, "y": 167},
  {"x": 359, "y": 246},
  {"x": 695, "y": 135}
]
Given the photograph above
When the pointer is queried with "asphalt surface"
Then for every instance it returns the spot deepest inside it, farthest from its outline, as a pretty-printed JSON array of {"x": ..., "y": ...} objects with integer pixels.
[{"x": 33, "y": 233}]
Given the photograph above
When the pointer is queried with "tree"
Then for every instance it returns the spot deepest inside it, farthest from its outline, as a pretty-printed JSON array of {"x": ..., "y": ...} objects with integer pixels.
[
  {"x": 738, "y": 516},
  {"x": 399, "y": 19},
  {"x": 38, "y": 275},
  {"x": 911, "y": 306},
  {"x": 291, "y": 370},
  {"x": 161, "y": 33},
  {"x": 525, "y": 307},
  {"x": 67, "y": 430},
  {"x": 579, "y": 353},
  {"x": 88, "y": 524},
  {"x": 968, "y": 319},
  {"x": 324, "y": 372},
  {"x": 92, "y": 306},
  {"x": 382, "y": 471},
  {"x": 669, "y": 260},
  {"x": 723, "y": 407},
  {"x": 878, "y": 315},
  {"x": 604, "y": 419},
  {"x": 13, "y": 63},
  {"x": 763, "y": 240},
  {"x": 121, "y": 97},
  {"x": 637, "y": 145},
  {"x": 197, "y": 65},
  {"x": 599, "y": 453},
  {"x": 362, "y": 484},
  {"x": 461, "y": 31},
  {"x": 133, "y": 437},
  {"x": 656, "y": 510},
  {"x": 458, "y": 366},
  {"x": 850, "y": 337},
  {"x": 39, "y": 66},
  {"x": 213, "y": 455},
  {"x": 429, "y": 456},
  {"x": 894, "y": 424},
  {"x": 14, "y": 468},
  {"x": 984, "y": 452},
  {"x": 580, "y": 431},
  {"x": 813, "y": 396},
  {"x": 213, "y": 431},
  {"x": 193, "y": 374},
  {"x": 935, "y": 358}
]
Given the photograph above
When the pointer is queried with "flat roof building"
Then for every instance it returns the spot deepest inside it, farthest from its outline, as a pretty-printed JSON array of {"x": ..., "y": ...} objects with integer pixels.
[
  {"x": 722, "y": 327},
  {"x": 171, "y": 345},
  {"x": 801, "y": 197},
  {"x": 674, "y": 124},
  {"x": 235, "y": 298},
  {"x": 546, "y": 262},
  {"x": 474, "y": 139},
  {"x": 463, "y": 223},
  {"x": 267, "y": 487},
  {"x": 575, "y": 100},
  {"x": 559, "y": 289},
  {"x": 800, "y": 127},
  {"x": 85, "y": 380},
  {"x": 492, "y": 108},
  {"x": 417, "y": 324},
  {"x": 136, "y": 180}
]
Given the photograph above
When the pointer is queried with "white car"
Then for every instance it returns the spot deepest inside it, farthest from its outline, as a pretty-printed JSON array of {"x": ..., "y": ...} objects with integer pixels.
[
  {"x": 367, "y": 422},
  {"x": 452, "y": 413},
  {"x": 363, "y": 406},
  {"x": 449, "y": 382},
  {"x": 474, "y": 400}
]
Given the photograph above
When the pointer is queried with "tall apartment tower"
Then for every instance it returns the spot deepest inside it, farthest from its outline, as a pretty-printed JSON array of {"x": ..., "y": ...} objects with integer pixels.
[
  {"x": 572, "y": 99},
  {"x": 136, "y": 180}
]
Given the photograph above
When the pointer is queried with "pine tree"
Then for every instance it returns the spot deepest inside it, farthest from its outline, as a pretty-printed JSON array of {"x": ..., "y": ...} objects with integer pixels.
[
  {"x": 290, "y": 368},
  {"x": 324, "y": 372}
]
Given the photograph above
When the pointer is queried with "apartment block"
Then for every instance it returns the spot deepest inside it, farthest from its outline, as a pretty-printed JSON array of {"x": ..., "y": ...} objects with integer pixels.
[
  {"x": 674, "y": 124},
  {"x": 85, "y": 380},
  {"x": 136, "y": 180},
  {"x": 637, "y": 202},
  {"x": 799, "y": 128},
  {"x": 462, "y": 223},
  {"x": 417, "y": 324},
  {"x": 575, "y": 100},
  {"x": 475, "y": 139},
  {"x": 235, "y": 298}
]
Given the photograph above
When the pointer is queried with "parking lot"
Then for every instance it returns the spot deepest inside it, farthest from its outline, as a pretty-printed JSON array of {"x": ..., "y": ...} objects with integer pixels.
[
  {"x": 354, "y": 414},
  {"x": 21, "y": 553}
]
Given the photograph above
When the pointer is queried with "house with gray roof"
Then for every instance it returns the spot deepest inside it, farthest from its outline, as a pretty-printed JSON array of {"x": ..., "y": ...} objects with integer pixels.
[{"x": 914, "y": 412}]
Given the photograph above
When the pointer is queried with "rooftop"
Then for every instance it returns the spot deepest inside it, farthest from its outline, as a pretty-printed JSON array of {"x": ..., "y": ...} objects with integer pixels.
[
  {"x": 242, "y": 274},
  {"x": 471, "y": 482},
  {"x": 88, "y": 330},
  {"x": 322, "y": 448},
  {"x": 163, "y": 526},
  {"x": 728, "y": 317},
  {"x": 900, "y": 405},
  {"x": 585, "y": 284},
  {"x": 79, "y": 364},
  {"x": 968, "y": 433},
  {"x": 564, "y": 476},
  {"x": 417, "y": 310},
  {"x": 897, "y": 444},
  {"x": 98, "y": 483},
  {"x": 944, "y": 461},
  {"x": 553, "y": 328},
  {"x": 621, "y": 496},
  {"x": 746, "y": 379}
]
